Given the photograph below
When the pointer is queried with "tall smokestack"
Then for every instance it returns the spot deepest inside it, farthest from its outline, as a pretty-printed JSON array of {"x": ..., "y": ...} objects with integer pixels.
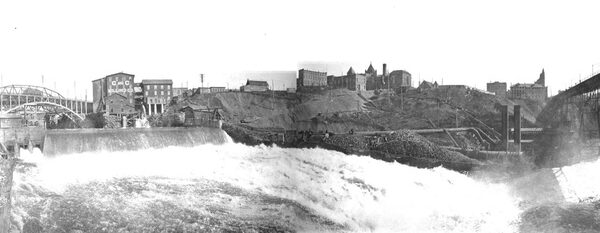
[{"x": 384, "y": 69}]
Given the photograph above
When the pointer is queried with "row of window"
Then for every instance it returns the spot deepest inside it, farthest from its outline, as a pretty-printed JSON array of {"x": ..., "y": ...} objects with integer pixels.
[
  {"x": 161, "y": 93},
  {"x": 158, "y": 101},
  {"x": 156, "y": 87},
  {"x": 119, "y": 78},
  {"x": 114, "y": 83}
]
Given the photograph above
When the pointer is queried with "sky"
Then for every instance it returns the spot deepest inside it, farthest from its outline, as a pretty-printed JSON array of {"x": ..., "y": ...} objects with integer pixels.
[{"x": 71, "y": 43}]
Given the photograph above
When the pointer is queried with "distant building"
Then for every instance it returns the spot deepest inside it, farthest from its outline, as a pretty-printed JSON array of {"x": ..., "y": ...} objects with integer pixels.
[
  {"x": 399, "y": 79},
  {"x": 351, "y": 81},
  {"x": 372, "y": 80},
  {"x": 179, "y": 91},
  {"x": 202, "y": 90},
  {"x": 452, "y": 87},
  {"x": 255, "y": 86},
  {"x": 217, "y": 89},
  {"x": 498, "y": 88},
  {"x": 157, "y": 95},
  {"x": 309, "y": 78},
  {"x": 536, "y": 91},
  {"x": 394, "y": 80},
  {"x": 291, "y": 90},
  {"x": 425, "y": 85},
  {"x": 120, "y": 84}
]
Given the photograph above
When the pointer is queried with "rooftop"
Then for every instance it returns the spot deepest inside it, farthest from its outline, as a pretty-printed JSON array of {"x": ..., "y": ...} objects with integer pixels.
[
  {"x": 257, "y": 83},
  {"x": 157, "y": 81}
]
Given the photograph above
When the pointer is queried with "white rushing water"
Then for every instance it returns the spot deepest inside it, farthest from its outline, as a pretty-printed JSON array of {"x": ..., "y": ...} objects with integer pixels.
[
  {"x": 360, "y": 193},
  {"x": 579, "y": 182}
]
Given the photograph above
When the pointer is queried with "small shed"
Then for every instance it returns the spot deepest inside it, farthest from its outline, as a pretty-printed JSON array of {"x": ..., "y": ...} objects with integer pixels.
[{"x": 197, "y": 115}]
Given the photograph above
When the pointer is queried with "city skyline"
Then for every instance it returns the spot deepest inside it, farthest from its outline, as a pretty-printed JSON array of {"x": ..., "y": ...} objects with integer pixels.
[{"x": 459, "y": 42}]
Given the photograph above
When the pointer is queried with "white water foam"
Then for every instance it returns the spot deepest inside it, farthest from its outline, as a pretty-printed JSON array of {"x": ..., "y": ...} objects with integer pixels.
[
  {"x": 579, "y": 182},
  {"x": 360, "y": 192}
]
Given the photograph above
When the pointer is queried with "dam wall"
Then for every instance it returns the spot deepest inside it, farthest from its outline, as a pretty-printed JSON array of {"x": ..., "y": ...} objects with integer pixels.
[{"x": 72, "y": 141}]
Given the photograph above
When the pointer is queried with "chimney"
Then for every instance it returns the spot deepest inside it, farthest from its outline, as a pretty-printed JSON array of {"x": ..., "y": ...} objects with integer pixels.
[{"x": 384, "y": 69}]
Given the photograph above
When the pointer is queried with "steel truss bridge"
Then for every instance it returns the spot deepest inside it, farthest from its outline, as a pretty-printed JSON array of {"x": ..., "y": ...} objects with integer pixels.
[
  {"x": 576, "y": 109},
  {"x": 36, "y": 99}
]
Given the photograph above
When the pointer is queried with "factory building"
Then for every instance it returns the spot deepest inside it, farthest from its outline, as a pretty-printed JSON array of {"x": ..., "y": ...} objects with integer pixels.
[
  {"x": 114, "y": 94},
  {"x": 157, "y": 95}
]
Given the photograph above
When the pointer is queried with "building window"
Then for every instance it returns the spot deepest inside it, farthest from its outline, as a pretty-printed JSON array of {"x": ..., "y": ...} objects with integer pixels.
[
  {"x": 162, "y": 92},
  {"x": 146, "y": 93},
  {"x": 168, "y": 92},
  {"x": 147, "y": 88},
  {"x": 155, "y": 86},
  {"x": 162, "y": 86},
  {"x": 154, "y": 92}
]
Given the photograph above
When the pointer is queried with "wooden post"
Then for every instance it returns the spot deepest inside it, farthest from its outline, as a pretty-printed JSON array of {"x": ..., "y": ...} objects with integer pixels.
[
  {"x": 517, "y": 123},
  {"x": 7, "y": 167},
  {"x": 504, "y": 130}
]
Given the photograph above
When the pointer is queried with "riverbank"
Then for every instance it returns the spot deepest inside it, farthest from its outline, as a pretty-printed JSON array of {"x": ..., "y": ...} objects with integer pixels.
[{"x": 401, "y": 146}]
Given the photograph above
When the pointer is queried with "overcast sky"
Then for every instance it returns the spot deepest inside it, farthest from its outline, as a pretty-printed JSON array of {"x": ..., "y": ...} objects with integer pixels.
[{"x": 461, "y": 42}]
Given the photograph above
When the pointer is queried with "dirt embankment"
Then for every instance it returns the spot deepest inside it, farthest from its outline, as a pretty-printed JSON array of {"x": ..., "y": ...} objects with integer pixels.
[{"x": 401, "y": 146}]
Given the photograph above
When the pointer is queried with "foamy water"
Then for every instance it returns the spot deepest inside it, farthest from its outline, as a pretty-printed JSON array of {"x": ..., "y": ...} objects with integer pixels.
[
  {"x": 579, "y": 182},
  {"x": 361, "y": 193}
]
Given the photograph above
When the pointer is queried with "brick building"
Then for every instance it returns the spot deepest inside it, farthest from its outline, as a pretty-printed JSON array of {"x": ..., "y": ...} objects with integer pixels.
[
  {"x": 157, "y": 94},
  {"x": 351, "y": 81},
  {"x": 536, "y": 91},
  {"x": 119, "y": 87},
  {"x": 394, "y": 80},
  {"x": 372, "y": 80},
  {"x": 309, "y": 78},
  {"x": 399, "y": 79},
  {"x": 498, "y": 88}
]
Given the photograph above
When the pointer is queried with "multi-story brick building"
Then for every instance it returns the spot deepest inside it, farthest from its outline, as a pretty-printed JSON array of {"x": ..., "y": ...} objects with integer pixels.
[
  {"x": 157, "y": 94},
  {"x": 351, "y": 81},
  {"x": 114, "y": 94},
  {"x": 399, "y": 79},
  {"x": 536, "y": 91},
  {"x": 309, "y": 78},
  {"x": 498, "y": 88}
]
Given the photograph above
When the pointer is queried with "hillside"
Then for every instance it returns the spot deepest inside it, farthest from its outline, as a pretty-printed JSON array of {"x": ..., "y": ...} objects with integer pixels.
[
  {"x": 341, "y": 110},
  {"x": 440, "y": 108}
]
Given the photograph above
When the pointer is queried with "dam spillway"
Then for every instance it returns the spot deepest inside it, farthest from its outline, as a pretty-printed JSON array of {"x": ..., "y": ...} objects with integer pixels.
[{"x": 72, "y": 141}]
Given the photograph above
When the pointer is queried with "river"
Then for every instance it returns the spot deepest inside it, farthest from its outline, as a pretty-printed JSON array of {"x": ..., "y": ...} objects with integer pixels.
[{"x": 234, "y": 187}]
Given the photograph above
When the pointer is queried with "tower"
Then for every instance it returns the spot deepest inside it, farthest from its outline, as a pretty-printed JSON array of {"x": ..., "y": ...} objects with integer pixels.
[{"x": 542, "y": 79}]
